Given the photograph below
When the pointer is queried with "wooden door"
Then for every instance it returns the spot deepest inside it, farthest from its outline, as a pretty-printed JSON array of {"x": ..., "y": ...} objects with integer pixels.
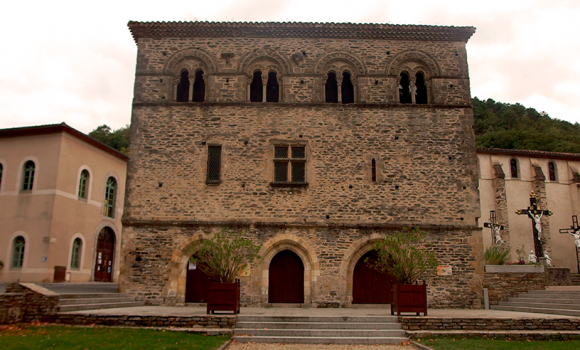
[
  {"x": 105, "y": 253},
  {"x": 286, "y": 278},
  {"x": 370, "y": 286},
  {"x": 196, "y": 284}
]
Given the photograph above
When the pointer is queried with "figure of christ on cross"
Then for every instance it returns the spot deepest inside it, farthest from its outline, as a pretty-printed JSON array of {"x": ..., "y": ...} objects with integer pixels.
[
  {"x": 574, "y": 231},
  {"x": 536, "y": 215},
  {"x": 495, "y": 229}
]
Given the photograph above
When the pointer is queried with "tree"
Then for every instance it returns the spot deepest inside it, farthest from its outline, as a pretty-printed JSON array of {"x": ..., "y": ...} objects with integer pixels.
[{"x": 117, "y": 139}]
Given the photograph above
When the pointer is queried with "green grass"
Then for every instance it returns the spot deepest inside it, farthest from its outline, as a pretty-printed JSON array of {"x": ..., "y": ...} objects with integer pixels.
[
  {"x": 498, "y": 344},
  {"x": 65, "y": 337}
]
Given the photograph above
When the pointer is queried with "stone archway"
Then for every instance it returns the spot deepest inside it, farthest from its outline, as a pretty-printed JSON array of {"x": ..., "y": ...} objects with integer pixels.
[{"x": 302, "y": 249}]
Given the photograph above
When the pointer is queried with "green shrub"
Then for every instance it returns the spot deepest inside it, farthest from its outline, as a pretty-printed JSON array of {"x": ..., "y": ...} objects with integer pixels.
[{"x": 496, "y": 254}]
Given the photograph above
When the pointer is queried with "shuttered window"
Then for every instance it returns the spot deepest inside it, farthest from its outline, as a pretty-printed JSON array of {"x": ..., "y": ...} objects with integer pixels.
[{"x": 214, "y": 164}]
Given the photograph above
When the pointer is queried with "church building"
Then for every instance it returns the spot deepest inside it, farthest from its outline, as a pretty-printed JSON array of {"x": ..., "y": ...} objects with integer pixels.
[{"x": 314, "y": 140}]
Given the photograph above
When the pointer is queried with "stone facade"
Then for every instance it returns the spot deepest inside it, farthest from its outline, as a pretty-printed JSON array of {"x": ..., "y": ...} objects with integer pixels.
[{"x": 370, "y": 167}]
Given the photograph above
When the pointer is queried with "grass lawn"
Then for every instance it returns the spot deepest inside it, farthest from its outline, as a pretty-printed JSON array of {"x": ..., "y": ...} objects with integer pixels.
[
  {"x": 65, "y": 337},
  {"x": 497, "y": 344}
]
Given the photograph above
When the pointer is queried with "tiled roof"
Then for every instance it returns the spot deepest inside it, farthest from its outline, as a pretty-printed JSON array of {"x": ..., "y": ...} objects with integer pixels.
[
  {"x": 58, "y": 128},
  {"x": 530, "y": 153},
  {"x": 298, "y": 30}
]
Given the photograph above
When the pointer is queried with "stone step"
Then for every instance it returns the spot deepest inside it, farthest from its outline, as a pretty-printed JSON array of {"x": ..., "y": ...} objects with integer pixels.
[
  {"x": 333, "y": 333},
  {"x": 318, "y": 325},
  {"x": 545, "y": 304},
  {"x": 78, "y": 301},
  {"x": 544, "y": 300},
  {"x": 89, "y": 287},
  {"x": 349, "y": 319},
  {"x": 321, "y": 340},
  {"x": 551, "y": 311},
  {"x": 81, "y": 307},
  {"x": 89, "y": 295},
  {"x": 550, "y": 294}
]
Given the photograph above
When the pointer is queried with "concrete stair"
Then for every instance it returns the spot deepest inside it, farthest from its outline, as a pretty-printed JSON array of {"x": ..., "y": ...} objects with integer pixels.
[
  {"x": 575, "y": 278},
  {"x": 319, "y": 330},
  {"x": 94, "y": 301},
  {"x": 557, "y": 302},
  {"x": 89, "y": 296}
]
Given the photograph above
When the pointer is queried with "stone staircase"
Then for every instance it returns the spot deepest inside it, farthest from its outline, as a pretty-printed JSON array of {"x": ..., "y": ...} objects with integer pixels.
[
  {"x": 319, "y": 330},
  {"x": 558, "y": 301},
  {"x": 89, "y": 296},
  {"x": 575, "y": 278}
]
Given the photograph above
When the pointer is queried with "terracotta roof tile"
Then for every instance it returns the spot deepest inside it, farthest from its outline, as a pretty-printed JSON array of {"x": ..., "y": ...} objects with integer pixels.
[{"x": 299, "y": 30}]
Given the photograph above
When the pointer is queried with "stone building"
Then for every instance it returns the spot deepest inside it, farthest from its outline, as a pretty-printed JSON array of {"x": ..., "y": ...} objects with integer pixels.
[
  {"x": 312, "y": 139},
  {"x": 61, "y": 194},
  {"x": 507, "y": 177}
]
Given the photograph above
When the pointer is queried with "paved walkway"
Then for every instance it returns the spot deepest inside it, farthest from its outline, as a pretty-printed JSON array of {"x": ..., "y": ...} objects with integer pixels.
[{"x": 281, "y": 311}]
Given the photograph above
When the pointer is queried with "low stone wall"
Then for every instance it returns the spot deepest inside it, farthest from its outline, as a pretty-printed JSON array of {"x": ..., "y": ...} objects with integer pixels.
[
  {"x": 558, "y": 276},
  {"x": 26, "y": 302},
  {"x": 489, "y": 324},
  {"x": 213, "y": 321},
  {"x": 502, "y": 285}
]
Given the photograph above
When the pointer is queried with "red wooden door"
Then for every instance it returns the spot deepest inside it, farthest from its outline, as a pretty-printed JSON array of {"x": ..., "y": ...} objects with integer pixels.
[
  {"x": 105, "y": 253},
  {"x": 195, "y": 284},
  {"x": 370, "y": 286},
  {"x": 286, "y": 278}
]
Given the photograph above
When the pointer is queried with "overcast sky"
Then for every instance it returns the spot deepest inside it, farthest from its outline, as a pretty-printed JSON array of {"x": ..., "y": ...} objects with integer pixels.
[{"x": 74, "y": 61}]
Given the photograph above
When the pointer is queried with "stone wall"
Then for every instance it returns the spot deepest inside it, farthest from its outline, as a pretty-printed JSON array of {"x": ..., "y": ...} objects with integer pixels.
[
  {"x": 489, "y": 324},
  {"x": 424, "y": 156},
  {"x": 210, "y": 321},
  {"x": 26, "y": 302},
  {"x": 558, "y": 276},
  {"x": 502, "y": 286}
]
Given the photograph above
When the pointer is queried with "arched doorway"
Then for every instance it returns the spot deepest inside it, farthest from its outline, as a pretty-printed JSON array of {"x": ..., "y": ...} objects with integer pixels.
[
  {"x": 286, "y": 278},
  {"x": 196, "y": 283},
  {"x": 105, "y": 253},
  {"x": 370, "y": 286}
]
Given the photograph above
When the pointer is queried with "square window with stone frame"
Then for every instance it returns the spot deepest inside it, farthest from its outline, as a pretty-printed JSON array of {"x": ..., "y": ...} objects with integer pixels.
[{"x": 289, "y": 165}]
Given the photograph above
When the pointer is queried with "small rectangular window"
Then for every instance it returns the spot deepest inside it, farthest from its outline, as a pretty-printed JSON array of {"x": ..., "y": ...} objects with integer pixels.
[
  {"x": 214, "y": 164},
  {"x": 289, "y": 165}
]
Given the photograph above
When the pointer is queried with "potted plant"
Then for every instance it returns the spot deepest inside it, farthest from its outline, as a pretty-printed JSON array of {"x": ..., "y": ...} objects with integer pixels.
[
  {"x": 225, "y": 256},
  {"x": 406, "y": 258}
]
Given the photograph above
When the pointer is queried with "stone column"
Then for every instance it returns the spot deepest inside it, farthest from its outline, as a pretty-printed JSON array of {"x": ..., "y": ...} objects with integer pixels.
[
  {"x": 412, "y": 91},
  {"x": 539, "y": 187},
  {"x": 339, "y": 88},
  {"x": 264, "y": 86},
  {"x": 500, "y": 196}
]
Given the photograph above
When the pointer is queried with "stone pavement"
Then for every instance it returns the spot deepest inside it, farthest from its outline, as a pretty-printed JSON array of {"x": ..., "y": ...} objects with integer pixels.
[{"x": 283, "y": 311}]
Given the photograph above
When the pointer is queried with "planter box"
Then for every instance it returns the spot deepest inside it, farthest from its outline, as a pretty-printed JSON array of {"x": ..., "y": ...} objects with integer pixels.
[
  {"x": 514, "y": 268},
  {"x": 409, "y": 298},
  {"x": 223, "y": 297}
]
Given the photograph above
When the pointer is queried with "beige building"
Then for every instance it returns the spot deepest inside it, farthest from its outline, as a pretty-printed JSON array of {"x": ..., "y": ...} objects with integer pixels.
[
  {"x": 507, "y": 177},
  {"x": 61, "y": 194}
]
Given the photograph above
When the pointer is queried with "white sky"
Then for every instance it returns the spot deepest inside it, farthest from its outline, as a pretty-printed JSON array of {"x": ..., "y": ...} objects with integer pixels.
[{"x": 74, "y": 61}]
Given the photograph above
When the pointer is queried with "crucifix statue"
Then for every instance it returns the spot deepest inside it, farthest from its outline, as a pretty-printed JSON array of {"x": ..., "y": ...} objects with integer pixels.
[
  {"x": 574, "y": 230},
  {"x": 495, "y": 229},
  {"x": 536, "y": 215}
]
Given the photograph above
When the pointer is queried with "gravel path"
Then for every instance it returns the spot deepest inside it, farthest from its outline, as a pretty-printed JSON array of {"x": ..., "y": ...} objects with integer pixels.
[{"x": 261, "y": 346}]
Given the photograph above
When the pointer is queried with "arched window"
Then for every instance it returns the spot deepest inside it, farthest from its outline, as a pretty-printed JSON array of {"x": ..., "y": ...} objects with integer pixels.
[
  {"x": 552, "y": 171},
  {"x": 421, "y": 89},
  {"x": 347, "y": 89},
  {"x": 28, "y": 176},
  {"x": 183, "y": 87},
  {"x": 331, "y": 88},
  {"x": 514, "y": 168},
  {"x": 373, "y": 170},
  {"x": 84, "y": 184},
  {"x": 18, "y": 251},
  {"x": 198, "y": 87},
  {"x": 256, "y": 88},
  {"x": 75, "y": 258},
  {"x": 272, "y": 88},
  {"x": 404, "y": 89},
  {"x": 110, "y": 194}
]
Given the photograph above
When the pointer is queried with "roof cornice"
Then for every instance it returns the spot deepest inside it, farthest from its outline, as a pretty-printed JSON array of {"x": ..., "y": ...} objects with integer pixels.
[
  {"x": 159, "y": 30},
  {"x": 529, "y": 153},
  {"x": 60, "y": 128}
]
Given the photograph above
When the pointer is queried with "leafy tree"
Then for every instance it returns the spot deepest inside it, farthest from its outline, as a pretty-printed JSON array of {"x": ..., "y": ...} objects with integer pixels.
[
  {"x": 117, "y": 139},
  {"x": 513, "y": 126}
]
